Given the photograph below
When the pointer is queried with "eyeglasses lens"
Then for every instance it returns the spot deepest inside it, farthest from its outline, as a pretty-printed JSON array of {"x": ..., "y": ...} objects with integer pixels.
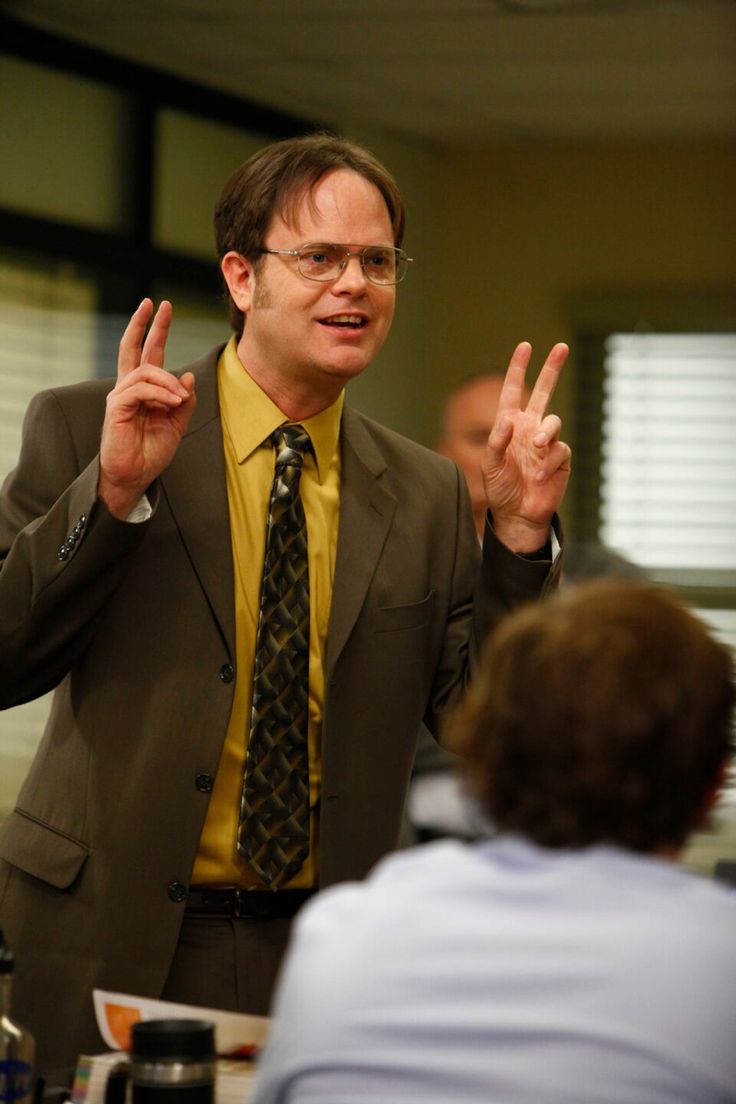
[{"x": 381, "y": 264}]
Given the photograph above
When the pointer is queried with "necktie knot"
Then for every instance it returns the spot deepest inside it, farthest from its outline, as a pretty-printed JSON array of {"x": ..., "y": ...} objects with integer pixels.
[{"x": 290, "y": 442}]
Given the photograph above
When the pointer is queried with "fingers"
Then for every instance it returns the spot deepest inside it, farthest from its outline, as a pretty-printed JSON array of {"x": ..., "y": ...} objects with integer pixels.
[
  {"x": 144, "y": 392},
  {"x": 547, "y": 380},
  {"x": 148, "y": 387},
  {"x": 155, "y": 344},
  {"x": 512, "y": 392},
  {"x": 548, "y": 431},
  {"x": 559, "y": 458},
  {"x": 133, "y": 349},
  {"x": 129, "y": 355},
  {"x": 499, "y": 440}
]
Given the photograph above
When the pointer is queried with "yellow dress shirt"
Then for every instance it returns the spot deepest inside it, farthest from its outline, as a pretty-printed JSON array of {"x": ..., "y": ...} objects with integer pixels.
[{"x": 248, "y": 418}]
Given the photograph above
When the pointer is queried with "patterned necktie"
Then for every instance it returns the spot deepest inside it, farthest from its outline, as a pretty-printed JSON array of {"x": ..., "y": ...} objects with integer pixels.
[{"x": 274, "y": 809}]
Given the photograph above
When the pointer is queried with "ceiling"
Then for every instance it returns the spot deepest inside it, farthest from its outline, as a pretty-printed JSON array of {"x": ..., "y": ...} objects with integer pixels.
[{"x": 454, "y": 71}]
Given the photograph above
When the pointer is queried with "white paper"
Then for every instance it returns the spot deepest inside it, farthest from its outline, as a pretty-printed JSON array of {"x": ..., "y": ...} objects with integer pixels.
[{"x": 235, "y": 1032}]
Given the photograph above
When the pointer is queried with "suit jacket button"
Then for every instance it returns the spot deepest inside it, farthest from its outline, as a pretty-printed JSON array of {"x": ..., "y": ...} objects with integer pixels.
[
  {"x": 227, "y": 672},
  {"x": 177, "y": 892},
  {"x": 204, "y": 782}
]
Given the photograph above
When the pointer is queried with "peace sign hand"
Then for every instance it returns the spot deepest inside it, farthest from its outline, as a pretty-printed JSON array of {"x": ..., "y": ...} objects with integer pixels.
[
  {"x": 147, "y": 413},
  {"x": 526, "y": 467}
]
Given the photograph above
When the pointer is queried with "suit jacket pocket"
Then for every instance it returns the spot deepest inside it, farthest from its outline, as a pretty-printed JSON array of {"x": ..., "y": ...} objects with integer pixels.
[
  {"x": 413, "y": 616},
  {"x": 40, "y": 850}
]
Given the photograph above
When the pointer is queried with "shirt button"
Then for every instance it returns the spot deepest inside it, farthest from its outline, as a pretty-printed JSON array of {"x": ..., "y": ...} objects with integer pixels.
[
  {"x": 227, "y": 672},
  {"x": 177, "y": 892},
  {"x": 204, "y": 782}
]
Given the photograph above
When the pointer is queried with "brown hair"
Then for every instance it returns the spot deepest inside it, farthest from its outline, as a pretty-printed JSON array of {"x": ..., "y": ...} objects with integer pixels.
[
  {"x": 603, "y": 715},
  {"x": 273, "y": 182}
]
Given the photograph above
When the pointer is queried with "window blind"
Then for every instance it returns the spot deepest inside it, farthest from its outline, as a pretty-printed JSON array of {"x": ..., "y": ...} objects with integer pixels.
[
  {"x": 668, "y": 467},
  {"x": 668, "y": 489}
]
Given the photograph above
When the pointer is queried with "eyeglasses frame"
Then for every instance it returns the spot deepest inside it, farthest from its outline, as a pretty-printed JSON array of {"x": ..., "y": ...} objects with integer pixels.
[{"x": 348, "y": 253}]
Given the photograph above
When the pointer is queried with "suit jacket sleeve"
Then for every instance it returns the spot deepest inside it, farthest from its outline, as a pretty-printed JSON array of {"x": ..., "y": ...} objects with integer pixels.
[
  {"x": 61, "y": 553},
  {"x": 505, "y": 580}
]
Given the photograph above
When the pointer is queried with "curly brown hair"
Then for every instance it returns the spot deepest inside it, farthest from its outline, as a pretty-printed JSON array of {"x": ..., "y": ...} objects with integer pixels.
[
  {"x": 273, "y": 182},
  {"x": 603, "y": 715}
]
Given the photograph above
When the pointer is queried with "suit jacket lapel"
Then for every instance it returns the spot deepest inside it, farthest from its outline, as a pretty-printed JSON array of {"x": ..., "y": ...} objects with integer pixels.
[
  {"x": 366, "y": 513},
  {"x": 195, "y": 487}
]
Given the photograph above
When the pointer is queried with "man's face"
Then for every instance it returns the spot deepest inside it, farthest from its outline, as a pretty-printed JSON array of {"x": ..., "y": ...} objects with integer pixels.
[{"x": 304, "y": 334}]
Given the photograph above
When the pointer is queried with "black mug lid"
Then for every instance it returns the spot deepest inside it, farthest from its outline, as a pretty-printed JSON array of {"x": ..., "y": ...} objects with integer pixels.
[{"x": 193, "y": 1039}]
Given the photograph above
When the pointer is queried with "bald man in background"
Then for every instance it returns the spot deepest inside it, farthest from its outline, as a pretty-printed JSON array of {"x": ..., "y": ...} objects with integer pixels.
[
  {"x": 468, "y": 416},
  {"x": 436, "y": 803}
]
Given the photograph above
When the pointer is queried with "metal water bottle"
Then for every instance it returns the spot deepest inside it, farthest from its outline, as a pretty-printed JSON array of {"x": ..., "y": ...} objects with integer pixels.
[
  {"x": 17, "y": 1045},
  {"x": 173, "y": 1062}
]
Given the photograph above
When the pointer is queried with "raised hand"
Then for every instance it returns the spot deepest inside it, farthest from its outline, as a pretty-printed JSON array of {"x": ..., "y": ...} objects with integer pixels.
[
  {"x": 526, "y": 467},
  {"x": 147, "y": 413}
]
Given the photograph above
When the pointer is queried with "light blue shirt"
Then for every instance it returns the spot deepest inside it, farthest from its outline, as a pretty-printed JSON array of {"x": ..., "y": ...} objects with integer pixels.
[{"x": 502, "y": 973}]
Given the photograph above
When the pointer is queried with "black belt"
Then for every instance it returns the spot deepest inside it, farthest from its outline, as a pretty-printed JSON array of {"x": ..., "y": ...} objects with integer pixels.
[{"x": 248, "y": 904}]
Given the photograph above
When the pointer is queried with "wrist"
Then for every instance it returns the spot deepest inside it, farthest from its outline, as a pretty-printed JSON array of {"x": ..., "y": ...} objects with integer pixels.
[
  {"x": 120, "y": 501},
  {"x": 521, "y": 537}
]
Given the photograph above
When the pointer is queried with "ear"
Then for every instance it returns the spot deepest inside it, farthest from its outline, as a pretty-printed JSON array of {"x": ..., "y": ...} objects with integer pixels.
[{"x": 239, "y": 275}]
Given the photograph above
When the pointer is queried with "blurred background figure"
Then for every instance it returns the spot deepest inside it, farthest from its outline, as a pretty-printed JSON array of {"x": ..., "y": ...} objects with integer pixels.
[
  {"x": 436, "y": 804},
  {"x": 564, "y": 959},
  {"x": 467, "y": 419}
]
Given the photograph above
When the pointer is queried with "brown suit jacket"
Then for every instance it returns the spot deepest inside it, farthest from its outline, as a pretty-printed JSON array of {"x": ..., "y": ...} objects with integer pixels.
[{"x": 134, "y": 625}]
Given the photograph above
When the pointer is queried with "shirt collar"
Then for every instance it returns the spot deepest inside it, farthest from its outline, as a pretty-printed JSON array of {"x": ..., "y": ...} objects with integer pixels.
[{"x": 251, "y": 417}]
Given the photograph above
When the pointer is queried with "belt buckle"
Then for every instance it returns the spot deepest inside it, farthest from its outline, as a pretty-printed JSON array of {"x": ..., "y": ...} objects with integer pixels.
[
  {"x": 214, "y": 904},
  {"x": 246, "y": 904}
]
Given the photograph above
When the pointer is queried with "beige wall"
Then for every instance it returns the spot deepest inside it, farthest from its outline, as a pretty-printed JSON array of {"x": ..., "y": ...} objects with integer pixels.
[
  {"x": 538, "y": 242},
  {"x": 534, "y": 239}
]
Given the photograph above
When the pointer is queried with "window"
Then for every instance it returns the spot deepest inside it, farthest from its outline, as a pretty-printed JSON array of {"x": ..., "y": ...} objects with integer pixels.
[
  {"x": 668, "y": 471},
  {"x": 656, "y": 478}
]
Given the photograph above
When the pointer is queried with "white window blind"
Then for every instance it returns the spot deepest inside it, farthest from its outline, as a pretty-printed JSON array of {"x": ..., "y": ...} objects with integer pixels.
[
  {"x": 668, "y": 493},
  {"x": 668, "y": 474}
]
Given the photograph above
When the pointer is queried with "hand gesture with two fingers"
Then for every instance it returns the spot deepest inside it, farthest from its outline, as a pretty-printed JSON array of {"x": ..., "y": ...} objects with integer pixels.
[
  {"x": 147, "y": 413},
  {"x": 526, "y": 467}
]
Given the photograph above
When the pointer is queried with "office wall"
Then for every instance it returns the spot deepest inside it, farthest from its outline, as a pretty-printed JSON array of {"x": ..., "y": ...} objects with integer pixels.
[{"x": 539, "y": 240}]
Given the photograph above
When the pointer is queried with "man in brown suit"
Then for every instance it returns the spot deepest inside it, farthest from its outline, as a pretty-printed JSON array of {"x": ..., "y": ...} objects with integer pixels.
[{"x": 130, "y": 582}]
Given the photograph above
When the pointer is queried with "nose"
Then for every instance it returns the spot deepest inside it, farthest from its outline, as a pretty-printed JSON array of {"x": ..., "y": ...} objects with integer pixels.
[{"x": 352, "y": 279}]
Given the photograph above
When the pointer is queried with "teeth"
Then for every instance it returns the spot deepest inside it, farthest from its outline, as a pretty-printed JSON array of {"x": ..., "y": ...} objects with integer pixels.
[{"x": 350, "y": 319}]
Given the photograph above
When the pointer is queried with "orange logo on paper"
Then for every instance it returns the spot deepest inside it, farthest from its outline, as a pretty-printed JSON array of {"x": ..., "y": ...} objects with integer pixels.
[{"x": 120, "y": 1019}]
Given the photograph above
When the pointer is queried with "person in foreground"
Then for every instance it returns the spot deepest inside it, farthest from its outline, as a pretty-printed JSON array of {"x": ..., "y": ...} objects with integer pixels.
[
  {"x": 233, "y": 730},
  {"x": 568, "y": 959}
]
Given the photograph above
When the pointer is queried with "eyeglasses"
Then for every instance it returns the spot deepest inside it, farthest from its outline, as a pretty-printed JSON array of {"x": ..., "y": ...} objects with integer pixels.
[{"x": 381, "y": 264}]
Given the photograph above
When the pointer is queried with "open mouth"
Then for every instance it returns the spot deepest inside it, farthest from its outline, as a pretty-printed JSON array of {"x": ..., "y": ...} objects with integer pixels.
[{"x": 348, "y": 321}]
